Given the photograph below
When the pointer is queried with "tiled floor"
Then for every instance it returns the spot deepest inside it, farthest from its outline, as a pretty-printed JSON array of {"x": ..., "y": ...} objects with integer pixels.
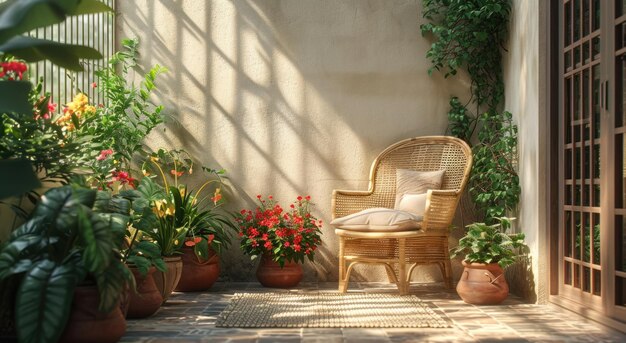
[{"x": 190, "y": 317}]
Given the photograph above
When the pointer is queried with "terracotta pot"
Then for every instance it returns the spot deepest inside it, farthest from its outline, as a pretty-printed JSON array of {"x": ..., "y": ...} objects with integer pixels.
[
  {"x": 482, "y": 284},
  {"x": 147, "y": 300},
  {"x": 87, "y": 325},
  {"x": 198, "y": 274},
  {"x": 167, "y": 281},
  {"x": 270, "y": 274}
]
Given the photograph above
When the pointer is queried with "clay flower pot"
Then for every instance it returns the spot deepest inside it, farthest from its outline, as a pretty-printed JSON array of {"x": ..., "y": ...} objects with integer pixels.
[
  {"x": 198, "y": 274},
  {"x": 147, "y": 300},
  {"x": 167, "y": 281},
  {"x": 482, "y": 284},
  {"x": 270, "y": 274},
  {"x": 87, "y": 325}
]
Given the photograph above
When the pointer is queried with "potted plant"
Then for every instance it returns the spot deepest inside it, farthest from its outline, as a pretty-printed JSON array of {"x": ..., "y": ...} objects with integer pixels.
[
  {"x": 143, "y": 258},
  {"x": 282, "y": 238},
  {"x": 67, "y": 266},
  {"x": 189, "y": 232},
  {"x": 488, "y": 250}
]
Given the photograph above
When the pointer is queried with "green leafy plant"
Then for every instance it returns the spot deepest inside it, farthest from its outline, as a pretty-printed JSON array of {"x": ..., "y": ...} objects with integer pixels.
[
  {"x": 171, "y": 214},
  {"x": 470, "y": 35},
  {"x": 490, "y": 243},
  {"x": 74, "y": 237},
  {"x": 17, "y": 18},
  {"x": 129, "y": 116}
]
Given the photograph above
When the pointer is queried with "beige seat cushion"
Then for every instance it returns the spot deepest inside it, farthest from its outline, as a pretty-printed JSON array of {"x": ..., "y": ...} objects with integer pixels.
[
  {"x": 413, "y": 203},
  {"x": 416, "y": 182},
  {"x": 379, "y": 220}
]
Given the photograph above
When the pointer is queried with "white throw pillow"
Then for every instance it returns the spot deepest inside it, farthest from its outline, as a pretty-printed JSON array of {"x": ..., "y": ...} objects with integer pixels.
[
  {"x": 416, "y": 182},
  {"x": 414, "y": 203},
  {"x": 379, "y": 220}
]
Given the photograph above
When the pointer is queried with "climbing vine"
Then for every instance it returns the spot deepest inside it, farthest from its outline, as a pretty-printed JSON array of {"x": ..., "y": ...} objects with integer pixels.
[{"x": 469, "y": 35}]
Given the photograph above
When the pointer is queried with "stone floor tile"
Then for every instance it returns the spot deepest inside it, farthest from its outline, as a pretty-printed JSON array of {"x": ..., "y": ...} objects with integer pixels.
[{"x": 191, "y": 317}]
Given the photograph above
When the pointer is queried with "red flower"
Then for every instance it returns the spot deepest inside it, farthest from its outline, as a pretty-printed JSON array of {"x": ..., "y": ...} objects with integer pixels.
[
  {"x": 299, "y": 198},
  {"x": 94, "y": 85},
  {"x": 268, "y": 245},
  {"x": 177, "y": 173},
  {"x": 287, "y": 244},
  {"x": 308, "y": 197},
  {"x": 211, "y": 238}
]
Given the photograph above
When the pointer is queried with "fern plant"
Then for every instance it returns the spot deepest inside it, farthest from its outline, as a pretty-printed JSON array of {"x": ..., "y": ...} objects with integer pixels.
[
  {"x": 129, "y": 116},
  {"x": 490, "y": 243}
]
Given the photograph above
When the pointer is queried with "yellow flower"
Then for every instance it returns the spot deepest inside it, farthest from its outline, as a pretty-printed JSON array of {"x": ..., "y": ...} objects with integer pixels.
[
  {"x": 154, "y": 159},
  {"x": 145, "y": 172},
  {"x": 170, "y": 210},
  {"x": 176, "y": 242}
]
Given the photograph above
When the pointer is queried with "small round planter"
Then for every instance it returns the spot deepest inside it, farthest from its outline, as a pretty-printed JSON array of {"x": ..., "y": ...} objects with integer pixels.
[
  {"x": 198, "y": 274},
  {"x": 87, "y": 325},
  {"x": 482, "y": 284},
  {"x": 147, "y": 300},
  {"x": 270, "y": 274},
  {"x": 167, "y": 281}
]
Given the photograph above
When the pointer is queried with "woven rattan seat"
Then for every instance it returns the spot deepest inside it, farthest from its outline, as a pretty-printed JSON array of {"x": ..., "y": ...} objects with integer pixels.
[{"x": 401, "y": 252}]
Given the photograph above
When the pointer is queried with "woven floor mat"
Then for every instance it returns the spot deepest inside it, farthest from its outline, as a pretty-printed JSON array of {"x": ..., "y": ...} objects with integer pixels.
[{"x": 330, "y": 310}]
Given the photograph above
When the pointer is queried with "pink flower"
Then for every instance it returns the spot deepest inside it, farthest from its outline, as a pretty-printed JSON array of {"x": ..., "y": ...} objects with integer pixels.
[
  {"x": 52, "y": 106},
  {"x": 104, "y": 154},
  {"x": 94, "y": 85}
]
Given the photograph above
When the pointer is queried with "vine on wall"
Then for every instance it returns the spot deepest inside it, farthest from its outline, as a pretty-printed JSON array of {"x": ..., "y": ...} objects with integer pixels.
[{"x": 469, "y": 35}]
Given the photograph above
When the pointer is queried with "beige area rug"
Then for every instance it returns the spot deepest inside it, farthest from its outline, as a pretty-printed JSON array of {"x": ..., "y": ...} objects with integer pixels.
[{"x": 330, "y": 310}]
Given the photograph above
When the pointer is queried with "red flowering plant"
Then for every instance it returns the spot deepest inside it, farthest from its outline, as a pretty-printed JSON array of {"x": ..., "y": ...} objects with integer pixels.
[
  {"x": 178, "y": 215},
  {"x": 287, "y": 235}
]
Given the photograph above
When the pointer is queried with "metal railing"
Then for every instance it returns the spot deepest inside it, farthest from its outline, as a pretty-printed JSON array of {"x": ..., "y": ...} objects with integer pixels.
[{"x": 93, "y": 30}]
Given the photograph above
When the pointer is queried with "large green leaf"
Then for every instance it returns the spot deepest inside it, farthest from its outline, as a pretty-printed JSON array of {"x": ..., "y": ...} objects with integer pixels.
[
  {"x": 31, "y": 227},
  {"x": 59, "y": 206},
  {"x": 17, "y": 17},
  {"x": 43, "y": 302},
  {"x": 11, "y": 261},
  {"x": 111, "y": 282},
  {"x": 95, "y": 233},
  {"x": 14, "y": 98},
  {"x": 34, "y": 49}
]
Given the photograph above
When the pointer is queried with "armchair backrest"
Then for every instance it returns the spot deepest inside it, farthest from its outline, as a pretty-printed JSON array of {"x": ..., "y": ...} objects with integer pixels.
[{"x": 429, "y": 153}]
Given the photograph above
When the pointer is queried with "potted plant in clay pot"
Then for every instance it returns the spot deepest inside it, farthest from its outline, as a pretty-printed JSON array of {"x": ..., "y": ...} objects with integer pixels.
[
  {"x": 488, "y": 250},
  {"x": 281, "y": 238},
  {"x": 205, "y": 240},
  {"x": 143, "y": 258},
  {"x": 178, "y": 220},
  {"x": 67, "y": 266}
]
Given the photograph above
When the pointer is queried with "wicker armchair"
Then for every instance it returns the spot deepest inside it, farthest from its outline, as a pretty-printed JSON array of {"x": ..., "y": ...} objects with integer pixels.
[{"x": 399, "y": 250}]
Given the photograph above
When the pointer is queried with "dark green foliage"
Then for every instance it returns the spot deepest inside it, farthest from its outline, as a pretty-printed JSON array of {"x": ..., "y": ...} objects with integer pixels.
[
  {"x": 490, "y": 243},
  {"x": 494, "y": 184},
  {"x": 65, "y": 243},
  {"x": 470, "y": 35}
]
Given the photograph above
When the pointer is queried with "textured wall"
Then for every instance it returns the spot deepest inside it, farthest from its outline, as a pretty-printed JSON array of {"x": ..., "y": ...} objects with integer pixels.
[
  {"x": 521, "y": 73},
  {"x": 291, "y": 97}
]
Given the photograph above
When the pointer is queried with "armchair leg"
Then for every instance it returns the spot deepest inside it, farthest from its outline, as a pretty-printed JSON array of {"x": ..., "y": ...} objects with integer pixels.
[
  {"x": 403, "y": 281},
  {"x": 446, "y": 273},
  {"x": 343, "y": 281}
]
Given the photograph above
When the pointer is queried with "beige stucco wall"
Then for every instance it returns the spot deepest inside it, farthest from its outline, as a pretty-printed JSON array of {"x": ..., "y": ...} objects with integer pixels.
[
  {"x": 521, "y": 74},
  {"x": 291, "y": 97}
]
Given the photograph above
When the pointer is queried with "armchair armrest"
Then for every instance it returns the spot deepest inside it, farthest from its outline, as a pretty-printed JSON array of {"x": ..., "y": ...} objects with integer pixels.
[
  {"x": 345, "y": 202},
  {"x": 440, "y": 208}
]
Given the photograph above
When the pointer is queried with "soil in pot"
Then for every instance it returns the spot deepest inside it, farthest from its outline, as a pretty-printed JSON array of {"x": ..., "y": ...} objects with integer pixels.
[
  {"x": 167, "y": 281},
  {"x": 482, "y": 284},
  {"x": 270, "y": 274},
  {"x": 147, "y": 300},
  {"x": 87, "y": 325},
  {"x": 198, "y": 274}
]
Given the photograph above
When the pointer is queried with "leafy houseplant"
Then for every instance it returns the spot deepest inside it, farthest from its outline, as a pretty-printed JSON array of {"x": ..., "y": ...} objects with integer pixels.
[
  {"x": 490, "y": 244},
  {"x": 17, "y": 18},
  {"x": 74, "y": 237},
  {"x": 470, "y": 35},
  {"x": 488, "y": 249}
]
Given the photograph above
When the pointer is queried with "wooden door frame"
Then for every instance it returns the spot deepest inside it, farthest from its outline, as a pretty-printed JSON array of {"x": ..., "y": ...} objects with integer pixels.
[{"x": 549, "y": 115}]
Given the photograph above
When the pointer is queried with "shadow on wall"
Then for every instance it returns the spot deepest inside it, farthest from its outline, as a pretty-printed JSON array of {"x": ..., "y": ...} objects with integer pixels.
[{"x": 290, "y": 97}]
